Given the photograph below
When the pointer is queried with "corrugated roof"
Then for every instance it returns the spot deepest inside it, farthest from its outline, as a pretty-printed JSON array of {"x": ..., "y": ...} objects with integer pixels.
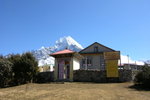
[{"x": 63, "y": 52}]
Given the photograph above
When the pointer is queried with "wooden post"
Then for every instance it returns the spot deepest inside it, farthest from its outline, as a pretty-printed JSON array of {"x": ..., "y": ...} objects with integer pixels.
[
  {"x": 56, "y": 70},
  {"x": 71, "y": 70}
]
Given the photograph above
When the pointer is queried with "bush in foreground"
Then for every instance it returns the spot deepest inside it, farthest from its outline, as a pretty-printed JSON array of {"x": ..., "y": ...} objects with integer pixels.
[
  {"x": 25, "y": 68},
  {"x": 5, "y": 72},
  {"x": 143, "y": 77}
]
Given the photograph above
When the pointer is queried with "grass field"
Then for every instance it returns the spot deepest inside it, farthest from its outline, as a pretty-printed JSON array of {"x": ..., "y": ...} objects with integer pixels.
[{"x": 74, "y": 91}]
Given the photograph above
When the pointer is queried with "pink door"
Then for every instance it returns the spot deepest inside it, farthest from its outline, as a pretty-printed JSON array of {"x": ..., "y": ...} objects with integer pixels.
[{"x": 61, "y": 70}]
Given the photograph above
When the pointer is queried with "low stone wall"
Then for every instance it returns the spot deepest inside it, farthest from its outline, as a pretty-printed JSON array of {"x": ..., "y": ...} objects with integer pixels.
[
  {"x": 45, "y": 77},
  {"x": 100, "y": 76},
  {"x": 90, "y": 76},
  {"x": 134, "y": 73},
  {"x": 125, "y": 75}
]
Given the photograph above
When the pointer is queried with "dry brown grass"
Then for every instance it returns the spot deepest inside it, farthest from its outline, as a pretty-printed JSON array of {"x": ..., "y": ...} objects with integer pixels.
[{"x": 73, "y": 91}]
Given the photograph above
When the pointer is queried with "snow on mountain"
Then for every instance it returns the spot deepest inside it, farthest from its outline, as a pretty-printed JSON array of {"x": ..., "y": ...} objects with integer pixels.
[
  {"x": 147, "y": 62},
  {"x": 126, "y": 60},
  {"x": 42, "y": 55},
  {"x": 67, "y": 42}
]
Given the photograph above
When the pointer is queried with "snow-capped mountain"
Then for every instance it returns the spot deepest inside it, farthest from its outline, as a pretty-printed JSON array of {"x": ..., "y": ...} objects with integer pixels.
[
  {"x": 67, "y": 42},
  {"x": 125, "y": 60},
  {"x": 42, "y": 55},
  {"x": 147, "y": 62}
]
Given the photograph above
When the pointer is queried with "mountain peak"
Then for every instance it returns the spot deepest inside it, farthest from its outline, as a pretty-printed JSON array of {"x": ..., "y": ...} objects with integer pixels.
[
  {"x": 67, "y": 42},
  {"x": 42, "y": 54}
]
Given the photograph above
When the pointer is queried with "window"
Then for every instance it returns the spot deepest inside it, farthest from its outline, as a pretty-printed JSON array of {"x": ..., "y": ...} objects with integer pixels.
[
  {"x": 96, "y": 49},
  {"x": 83, "y": 61},
  {"x": 102, "y": 62},
  {"x": 87, "y": 62}
]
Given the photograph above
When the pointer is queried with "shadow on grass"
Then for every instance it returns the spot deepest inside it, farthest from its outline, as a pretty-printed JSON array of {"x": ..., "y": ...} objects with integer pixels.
[{"x": 139, "y": 87}]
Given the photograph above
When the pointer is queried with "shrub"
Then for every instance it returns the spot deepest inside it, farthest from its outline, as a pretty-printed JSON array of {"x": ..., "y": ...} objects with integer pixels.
[
  {"x": 143, "y": 77},
  {"x": 25, "y": 67},
  {"x": 5, "y": 72}
]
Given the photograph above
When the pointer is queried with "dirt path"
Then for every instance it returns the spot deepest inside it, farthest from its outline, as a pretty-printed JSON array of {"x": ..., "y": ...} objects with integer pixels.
[{"x": 74, "y": 91}]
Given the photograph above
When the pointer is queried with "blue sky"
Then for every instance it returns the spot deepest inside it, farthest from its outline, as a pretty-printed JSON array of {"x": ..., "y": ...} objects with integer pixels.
[{"x": 120, "y": 24}]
